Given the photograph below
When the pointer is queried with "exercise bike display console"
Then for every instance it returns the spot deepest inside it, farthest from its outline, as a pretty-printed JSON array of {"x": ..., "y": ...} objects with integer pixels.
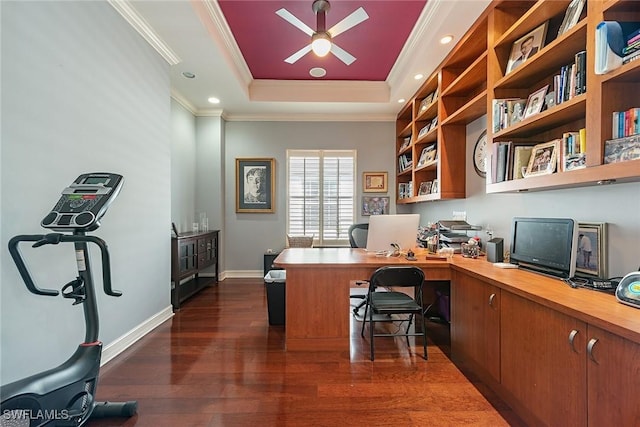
[
  {"x": 65, "y": 395},
  {"x": 84, "y": 202}
]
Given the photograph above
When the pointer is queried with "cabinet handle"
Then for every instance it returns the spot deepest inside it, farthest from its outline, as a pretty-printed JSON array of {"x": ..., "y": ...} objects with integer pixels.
[
  {"x": 590, "y": 346},
  {"x": 572, "y": 336},
  {"x": 491, "y": 298}
]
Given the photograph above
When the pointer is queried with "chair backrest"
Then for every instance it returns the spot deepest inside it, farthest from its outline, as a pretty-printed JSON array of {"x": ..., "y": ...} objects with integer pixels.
[
  {"x": 406, "y": 276},
  {"x": 358, "y": 235},
  {"x": 299, "y": 241}
]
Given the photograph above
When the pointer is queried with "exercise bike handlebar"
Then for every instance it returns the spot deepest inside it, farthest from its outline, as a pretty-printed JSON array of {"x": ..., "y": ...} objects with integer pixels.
[{"x": 54, "y": 239}]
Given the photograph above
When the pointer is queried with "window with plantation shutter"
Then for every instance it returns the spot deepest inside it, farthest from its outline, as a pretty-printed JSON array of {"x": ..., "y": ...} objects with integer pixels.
[{"x": 321, "y": 195}]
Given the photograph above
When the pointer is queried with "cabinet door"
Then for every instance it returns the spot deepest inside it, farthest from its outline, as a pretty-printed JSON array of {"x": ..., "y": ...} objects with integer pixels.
[
  {"x": 613, "y": 369},
  {"x": 475, "y": 323},
  {"x": 188, "y": 256},
  {"x": 543, "y": 362}
]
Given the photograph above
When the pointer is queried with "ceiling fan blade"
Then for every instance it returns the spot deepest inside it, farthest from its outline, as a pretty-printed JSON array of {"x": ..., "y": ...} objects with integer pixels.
[
  {"x": 358, "y": 16},
  {"x": 288, "y": 16},
  {"x": 299, "y": 54},
  {"x": 342, "y": 54}
]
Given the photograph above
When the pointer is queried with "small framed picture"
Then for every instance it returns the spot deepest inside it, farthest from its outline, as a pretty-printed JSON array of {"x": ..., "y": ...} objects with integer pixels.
[
  {"x": 526, "y": 46},
  {"x": 375, "y": 205},
  {"x": 425, "y": 188},
  {"x": 571, "y": 16},
  {"x": 374, "y": 182},
  {"x": 535, "y": 102},
  {"x": 255, "y": 185},
  {"x": 435, "y": 186},
  {"x": 543, "y": 160},
  {"x": 591, "y": 257}
]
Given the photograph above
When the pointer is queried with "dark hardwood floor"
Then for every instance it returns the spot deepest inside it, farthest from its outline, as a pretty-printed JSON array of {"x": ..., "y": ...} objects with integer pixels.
[{"x": 217, "y": 362}]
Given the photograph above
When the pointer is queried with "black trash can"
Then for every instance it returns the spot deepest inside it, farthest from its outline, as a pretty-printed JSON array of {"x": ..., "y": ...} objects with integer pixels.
[{"x": 275, "y": 284}]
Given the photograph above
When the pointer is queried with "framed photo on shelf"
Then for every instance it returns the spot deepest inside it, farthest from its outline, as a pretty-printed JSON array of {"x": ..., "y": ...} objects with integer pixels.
[
  {"x": 428, "y": 155},
  {"x": 375, "y": 205},
  {"x": 526, "y": 46},
  {"x": 544, "y": 159},
  {"x": 535, "y": 102},
  {"x": 255, "y": 185},
  {"x": 571, "y": 16},
  {"x": 591, "y": 257},
  {"x": 435, "y": 186},
  {"x": 425, "y": 188},
  {"x": 374, "y": 182}
]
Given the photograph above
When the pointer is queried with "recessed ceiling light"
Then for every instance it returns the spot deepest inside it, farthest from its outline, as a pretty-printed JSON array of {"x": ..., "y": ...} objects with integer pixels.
[
  {"x": 418, "y": 76},
  {"x": 446, "y": 39},
  {"x": 318, "y": 72},
  {"x": 214, "y": 100},
  {"x": 189, "y": 75},
  {"x": 401, "y": 100}
]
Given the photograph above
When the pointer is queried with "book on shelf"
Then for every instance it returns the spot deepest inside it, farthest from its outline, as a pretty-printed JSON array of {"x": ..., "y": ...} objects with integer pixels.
[
  {"x": 511, "y": 159},
  {"x": 502, "y": 160},
  {"x": 519, "y": 160},
  {"x": 572, "y": 151},
  {"x": 613, "y": 44},
  {"x": 625, "y": 123},
  {"x": 622, "y": 149},
  {"x": 507, "y": 112}
]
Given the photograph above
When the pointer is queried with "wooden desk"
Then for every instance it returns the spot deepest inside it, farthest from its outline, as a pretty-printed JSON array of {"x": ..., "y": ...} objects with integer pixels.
[{"x": 317, "y": 291}]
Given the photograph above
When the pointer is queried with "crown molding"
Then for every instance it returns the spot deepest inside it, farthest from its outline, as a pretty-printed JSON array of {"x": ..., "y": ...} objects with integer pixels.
[
  {"x": 124, "y": 8},
  {"x": 177, "y": 96},
  {"x": 318, "y": 91},
  {"x": 212, "y": 17},
  {"x": 322, "y": 117}
]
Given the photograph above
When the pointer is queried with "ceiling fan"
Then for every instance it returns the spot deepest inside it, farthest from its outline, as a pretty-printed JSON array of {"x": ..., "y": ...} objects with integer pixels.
[{"x": 321, "y": 38}]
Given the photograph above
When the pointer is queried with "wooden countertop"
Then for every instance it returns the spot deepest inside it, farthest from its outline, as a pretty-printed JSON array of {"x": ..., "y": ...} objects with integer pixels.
[{"x": 596, "y": 308}]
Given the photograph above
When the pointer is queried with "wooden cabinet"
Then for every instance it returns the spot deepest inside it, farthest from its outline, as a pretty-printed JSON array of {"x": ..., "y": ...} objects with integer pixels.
[
  {"x": 552, "y": 368},
  {"x": 190, "y": 254},
  {"x": 475, "y": 324},
  {"x": 612, "y": 375},
  {"x": 543, "y": 362}
]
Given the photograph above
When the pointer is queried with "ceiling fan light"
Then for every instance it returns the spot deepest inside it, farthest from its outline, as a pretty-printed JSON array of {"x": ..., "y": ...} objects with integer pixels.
[{"x": 321, "y": 44}]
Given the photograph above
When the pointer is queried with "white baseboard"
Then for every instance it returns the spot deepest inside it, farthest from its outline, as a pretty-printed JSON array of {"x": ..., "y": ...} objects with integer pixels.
[
  {"x": 244, "y": 274},
  {"x": 127, "y": 340}
]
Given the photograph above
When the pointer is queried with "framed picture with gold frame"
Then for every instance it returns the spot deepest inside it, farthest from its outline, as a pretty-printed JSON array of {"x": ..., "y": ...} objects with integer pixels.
[
  {"x": 255, "y": 185},
  {"x": 374, "y": 182}
]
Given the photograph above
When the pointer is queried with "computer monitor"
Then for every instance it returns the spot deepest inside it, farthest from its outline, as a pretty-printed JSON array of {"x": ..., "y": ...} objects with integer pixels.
[{"x": 401, "y": 229}]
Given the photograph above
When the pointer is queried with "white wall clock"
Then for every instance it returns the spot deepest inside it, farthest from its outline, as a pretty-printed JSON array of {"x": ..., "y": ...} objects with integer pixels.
[{"x": 480, "y": 155}]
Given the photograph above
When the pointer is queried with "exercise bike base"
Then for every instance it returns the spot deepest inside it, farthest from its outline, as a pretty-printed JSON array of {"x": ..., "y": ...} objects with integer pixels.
[{"x": 114, "y": 409}]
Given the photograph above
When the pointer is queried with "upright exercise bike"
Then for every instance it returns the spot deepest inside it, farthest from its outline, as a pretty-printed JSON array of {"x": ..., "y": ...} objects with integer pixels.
[{"x": 65, "y": 395}]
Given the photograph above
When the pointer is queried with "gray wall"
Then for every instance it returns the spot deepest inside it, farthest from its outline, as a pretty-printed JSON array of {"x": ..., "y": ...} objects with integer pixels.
[
  {"x": 249, "y": 235},
  {"x": 183, "y": 166},
  {"x": 81, "y": 91},
  {"x": 617, "y": 204}
]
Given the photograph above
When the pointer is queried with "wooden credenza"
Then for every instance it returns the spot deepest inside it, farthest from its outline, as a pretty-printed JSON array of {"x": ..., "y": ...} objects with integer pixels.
[{"x": 190, "y": 254}]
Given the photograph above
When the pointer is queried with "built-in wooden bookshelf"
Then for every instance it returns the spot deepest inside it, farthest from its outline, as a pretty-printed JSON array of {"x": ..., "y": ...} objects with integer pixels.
[
  {"x": 450, "y": 98},
  {"x": 474, "y": 74},
  {"x": 615, "y": 91}
]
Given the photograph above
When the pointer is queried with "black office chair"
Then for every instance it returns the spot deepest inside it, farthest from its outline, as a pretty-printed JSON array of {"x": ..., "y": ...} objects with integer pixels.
[
  {"x": 358, "y": 239},
  {"x": 394, "y": 306}
]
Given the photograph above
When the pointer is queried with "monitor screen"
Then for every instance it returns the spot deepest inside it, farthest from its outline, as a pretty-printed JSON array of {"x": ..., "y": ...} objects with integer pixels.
[
  {"x": 546, "y": 245},
  {"x": 401, "y": 229}
]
